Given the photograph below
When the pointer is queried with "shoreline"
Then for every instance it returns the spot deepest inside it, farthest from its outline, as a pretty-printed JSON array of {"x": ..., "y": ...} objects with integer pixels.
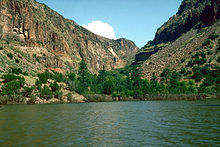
[{"x": 90, "y": 98}]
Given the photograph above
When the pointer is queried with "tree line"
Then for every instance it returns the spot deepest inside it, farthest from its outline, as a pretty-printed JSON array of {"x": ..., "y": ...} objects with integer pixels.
[{"x": 127, "y": 81}]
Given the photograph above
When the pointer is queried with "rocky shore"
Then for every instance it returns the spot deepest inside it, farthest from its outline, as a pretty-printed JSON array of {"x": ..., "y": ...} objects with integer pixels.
[
  {"x": 76, "y": 98},
  {"x": 73, "y": 98}
]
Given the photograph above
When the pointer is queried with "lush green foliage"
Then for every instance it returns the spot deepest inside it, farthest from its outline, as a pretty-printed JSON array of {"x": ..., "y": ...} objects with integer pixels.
[
  {"x": 12, "y": 84},
  {"x": 27, "y": 91},
  {"x": 71, "y": 81},
  {"x": 43, "y": 77},
  {"x": 54, "y": 89},
  {"x": 58, "y": 77},
  {"x": 129, "y": 81},
  {"x": 46, "y": 93},
  {"x": 83, "y": 77},
  {"x": 16, "y": 71}
]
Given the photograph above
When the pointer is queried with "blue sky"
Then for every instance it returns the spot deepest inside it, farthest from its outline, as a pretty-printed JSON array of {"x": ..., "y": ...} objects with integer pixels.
[{"x": 136, "y": 20}]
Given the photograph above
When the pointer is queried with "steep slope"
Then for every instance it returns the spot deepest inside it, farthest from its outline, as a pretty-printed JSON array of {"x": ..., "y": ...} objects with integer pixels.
[
  {"x": 191, "y": 14},
  {"x": 190, "y": 50},
  {"x": 182, "y": 38},
  {"x": 39, "y": 39}
]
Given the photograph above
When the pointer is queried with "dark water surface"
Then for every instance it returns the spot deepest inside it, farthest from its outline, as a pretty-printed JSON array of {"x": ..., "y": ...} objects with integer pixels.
[{"x": 149, "y": 123}]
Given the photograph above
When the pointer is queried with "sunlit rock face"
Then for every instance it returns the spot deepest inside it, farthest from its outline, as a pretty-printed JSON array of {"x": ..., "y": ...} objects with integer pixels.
[{"x": 62, "y": 42}]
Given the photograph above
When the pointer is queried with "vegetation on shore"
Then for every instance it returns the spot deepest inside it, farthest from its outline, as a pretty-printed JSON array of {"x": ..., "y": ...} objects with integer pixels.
[{"x": 119, "y": 83}]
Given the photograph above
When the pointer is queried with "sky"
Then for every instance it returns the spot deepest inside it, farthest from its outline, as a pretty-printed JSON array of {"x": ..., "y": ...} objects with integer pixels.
[{"x": 136, "y": 20}]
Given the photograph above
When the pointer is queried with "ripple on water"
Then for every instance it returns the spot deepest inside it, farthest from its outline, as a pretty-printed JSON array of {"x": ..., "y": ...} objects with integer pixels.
[{"x": 153, "y": 123}]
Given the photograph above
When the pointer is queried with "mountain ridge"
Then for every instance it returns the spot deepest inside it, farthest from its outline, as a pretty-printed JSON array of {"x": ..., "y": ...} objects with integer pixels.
[
  {"x": 64, "y": 42},
  {"x": 176, "y": 43}
]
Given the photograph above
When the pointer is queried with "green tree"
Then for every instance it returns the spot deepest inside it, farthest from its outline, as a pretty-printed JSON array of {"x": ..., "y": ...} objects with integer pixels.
[
  {"x": 58, "y": 77},
  {"x": 43, "y": 77},
  {"x": 16, "y": 71},
  {"x": 108, "y": 85},
  {"x": 136, "y": 75},
  {"x": 154, "y": 85},
  {"x": 165, "y": 75},
  {"x": 55, "y": 87},
  {"x": 83, "y": 77},
  {"x": 46, "y": 93},
  {"x": 13, "y": 84},
  {"x": 182, "y": 71},
  {"x": 197, "y": 74},
  {"x": 72, "y": 81},
  {"x": 192, "y": 89},
  {"x": 173, "y": 82},
  {"x": 27, "y": 91}
]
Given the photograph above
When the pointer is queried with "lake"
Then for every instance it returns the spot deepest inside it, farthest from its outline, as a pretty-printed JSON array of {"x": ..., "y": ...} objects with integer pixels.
[{"x": 147, "y": 123}]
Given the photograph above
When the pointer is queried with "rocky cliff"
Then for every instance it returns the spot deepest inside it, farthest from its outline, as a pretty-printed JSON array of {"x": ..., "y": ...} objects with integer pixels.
[
  {"x": 193, "y": 31},
  {"x": 37, "y": 35},
  {"x": 191, "y": 14}
]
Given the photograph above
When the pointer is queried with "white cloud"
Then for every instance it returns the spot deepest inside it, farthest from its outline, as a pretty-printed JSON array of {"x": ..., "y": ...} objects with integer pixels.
[{"x": 101, "y": 28}]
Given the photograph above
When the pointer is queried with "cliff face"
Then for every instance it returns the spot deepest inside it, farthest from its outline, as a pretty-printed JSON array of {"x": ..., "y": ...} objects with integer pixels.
[
  {"x": 194, "y": 30},
  {"x": 56, "y": 42},
  {"x": 191, "y": 13}
]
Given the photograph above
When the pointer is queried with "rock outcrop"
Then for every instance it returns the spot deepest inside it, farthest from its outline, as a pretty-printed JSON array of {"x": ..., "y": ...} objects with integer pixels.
[
  {"x": 62, "y": 42},
  {"x": 191, "y": 14},
  {"x": 181, "y": 37}
]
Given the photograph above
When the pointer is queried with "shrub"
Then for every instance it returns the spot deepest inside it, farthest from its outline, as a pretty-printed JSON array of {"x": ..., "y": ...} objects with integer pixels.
[
  {"x": 39, "y": 42},
  {"x": 182, "y": 60},
  {"x": 190, "y": 63},
  {"x": 58, "y": 94},
  {"x": 11, "y": 77},
  {"x": 10, "y": 55},
  {"x": 58, "y": 77},
  {"x": 205, "y": 70},
  {"x": 218, "y": 59},
  {"x": 208, "y": 81},
  {"x": 182, "y": 71},
  {"x": 72, "y": 76},
  {"x": 46, "y": 93},
  {"x": 12, "y": 87},
  {"x": 16, "y": 71},
  {"x": 43, "y": 77},
  {"x": 69, "y": 96},
  {"x": 213, "y": 36},
  {"x": 199, "y": 61},
  {"x": 7, "y": 42},
  {"x": 188, "y": 73},
  {"x": 17, "y": 61},
  {"x": 54, "y": 87},
  {"x": 209, "y": 52},
  {"x": 206, "y": 42},
  {"x": 38, "y": 83},
  {"x": 197, "y": 74},
  {"x": 27, "y": 91}
]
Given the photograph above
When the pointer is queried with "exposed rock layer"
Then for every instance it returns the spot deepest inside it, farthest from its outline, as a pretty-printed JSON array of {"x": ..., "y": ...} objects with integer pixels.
[
  {"x": 191, "y": 13},
  {"x": 36, "y": 25}
]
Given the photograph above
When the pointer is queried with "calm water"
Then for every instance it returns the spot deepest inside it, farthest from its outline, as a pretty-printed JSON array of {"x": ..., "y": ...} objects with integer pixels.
[{"x": 151, "y": 123}]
